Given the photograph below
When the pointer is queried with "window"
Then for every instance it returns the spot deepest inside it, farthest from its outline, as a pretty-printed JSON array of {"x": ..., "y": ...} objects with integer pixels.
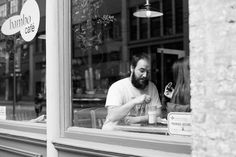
[
  {"x": 13, "y": 6},
  {"x": 3, "y": 10},
  {"x": 21, "y": 70},
  {"x": 67, "y": 65},
  {"x": 17, "y": 91},
  {"x": 96, "y": 55},
  {"x": 97, "y": 59}
]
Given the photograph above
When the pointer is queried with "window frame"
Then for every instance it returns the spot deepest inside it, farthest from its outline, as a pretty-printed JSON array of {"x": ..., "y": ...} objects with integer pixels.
[{"x": 67, "y": 131}]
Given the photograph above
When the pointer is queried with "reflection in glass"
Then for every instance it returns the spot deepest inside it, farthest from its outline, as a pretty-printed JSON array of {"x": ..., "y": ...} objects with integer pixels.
[
  {"x": 22, "y": 68},
  {"x": 105, "y": 35}
]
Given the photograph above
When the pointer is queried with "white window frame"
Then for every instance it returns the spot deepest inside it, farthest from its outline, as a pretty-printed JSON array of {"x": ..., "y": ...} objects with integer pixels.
[
  {"x": 13, "y": 6},
  {"x": 3, "y": 10},
  {"x": 59, "y": 96}
]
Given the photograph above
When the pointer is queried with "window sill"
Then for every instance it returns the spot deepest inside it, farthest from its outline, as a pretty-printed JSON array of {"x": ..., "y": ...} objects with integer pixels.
[
  {"x": 22, "y": 126},
  {"x": 162, "y": 143},
  {"x": 108, "y": 150}
]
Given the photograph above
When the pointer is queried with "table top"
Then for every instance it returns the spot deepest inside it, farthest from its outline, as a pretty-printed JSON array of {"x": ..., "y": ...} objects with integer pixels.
[{"x": 153, "y": 129}]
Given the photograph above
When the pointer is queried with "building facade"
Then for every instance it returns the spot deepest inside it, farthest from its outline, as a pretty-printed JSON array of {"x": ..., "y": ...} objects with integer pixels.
[{"x": 84, "y": 57}]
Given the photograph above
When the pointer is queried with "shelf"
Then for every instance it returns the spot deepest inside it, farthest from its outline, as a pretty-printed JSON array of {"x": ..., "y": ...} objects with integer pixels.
[{"x": 89, "y": 97}]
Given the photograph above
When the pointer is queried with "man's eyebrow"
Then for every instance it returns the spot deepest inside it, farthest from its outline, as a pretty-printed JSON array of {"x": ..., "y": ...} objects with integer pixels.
[{"x": 145, "y": 69}]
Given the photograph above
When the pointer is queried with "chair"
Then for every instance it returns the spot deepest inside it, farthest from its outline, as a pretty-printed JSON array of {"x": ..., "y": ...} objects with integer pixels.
[
  {"x": 82, "y": 117},
  {"x": 98, "y": 117}
]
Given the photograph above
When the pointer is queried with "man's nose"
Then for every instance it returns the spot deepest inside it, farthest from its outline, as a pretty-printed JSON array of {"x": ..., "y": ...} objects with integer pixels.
[{"x": 145, "y": 74}]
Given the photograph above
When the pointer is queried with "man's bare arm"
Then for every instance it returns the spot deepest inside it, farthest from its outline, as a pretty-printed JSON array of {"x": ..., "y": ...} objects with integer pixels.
[{"x": 119, "y": 112}]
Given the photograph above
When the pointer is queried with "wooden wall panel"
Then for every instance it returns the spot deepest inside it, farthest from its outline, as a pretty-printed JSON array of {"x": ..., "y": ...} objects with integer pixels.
[
  {"x": 12, "y": 146},
  {"x": 15, "y": 152}
]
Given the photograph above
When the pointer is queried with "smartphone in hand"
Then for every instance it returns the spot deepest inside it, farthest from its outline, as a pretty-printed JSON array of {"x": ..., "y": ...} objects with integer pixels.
[
  {"x": 169, "y": 90},
  {"x": 169, "y": 86}
]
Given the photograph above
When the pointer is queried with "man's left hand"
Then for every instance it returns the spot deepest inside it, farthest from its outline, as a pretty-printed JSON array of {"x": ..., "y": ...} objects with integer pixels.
[{"x": 131, "y": 120}]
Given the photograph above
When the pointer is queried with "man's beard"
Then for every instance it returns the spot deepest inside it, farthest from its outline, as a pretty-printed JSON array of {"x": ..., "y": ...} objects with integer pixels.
[{"x": 140, "y": 83}]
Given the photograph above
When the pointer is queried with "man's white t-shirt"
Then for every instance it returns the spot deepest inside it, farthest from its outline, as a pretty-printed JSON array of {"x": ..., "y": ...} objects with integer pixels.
[{"x": 122, "y": 92}]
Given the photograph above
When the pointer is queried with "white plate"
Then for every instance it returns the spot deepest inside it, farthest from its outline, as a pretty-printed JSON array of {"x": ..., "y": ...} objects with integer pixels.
[{"x": 161, "y": 120}]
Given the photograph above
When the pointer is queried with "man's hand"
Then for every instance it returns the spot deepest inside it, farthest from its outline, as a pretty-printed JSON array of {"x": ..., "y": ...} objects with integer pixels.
[
  {"x": 143, "y": 99},
  {"x": 119, "y": 112},
  {"x": 131, "y": 120}
]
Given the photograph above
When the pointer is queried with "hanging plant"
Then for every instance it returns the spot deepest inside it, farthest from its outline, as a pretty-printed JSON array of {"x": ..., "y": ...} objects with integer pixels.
[{"x": 88, "y": 23}]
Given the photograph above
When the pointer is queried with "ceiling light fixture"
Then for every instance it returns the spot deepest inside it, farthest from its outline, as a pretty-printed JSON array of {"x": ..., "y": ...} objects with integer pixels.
[{"x": 147, "y": 11}]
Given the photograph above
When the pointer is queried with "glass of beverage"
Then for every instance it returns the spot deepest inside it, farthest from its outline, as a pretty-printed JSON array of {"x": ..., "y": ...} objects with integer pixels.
[{"x": 152, "y": 114}]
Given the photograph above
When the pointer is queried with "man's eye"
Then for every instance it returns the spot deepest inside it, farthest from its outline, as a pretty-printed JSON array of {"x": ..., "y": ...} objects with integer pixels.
[{"x": 142, "y": 71}]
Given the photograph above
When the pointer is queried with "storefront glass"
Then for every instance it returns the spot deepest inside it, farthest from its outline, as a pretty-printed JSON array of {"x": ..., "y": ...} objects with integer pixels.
[
  {"x": 22, "y": 67},
  {"x": 105, "y": 35}
]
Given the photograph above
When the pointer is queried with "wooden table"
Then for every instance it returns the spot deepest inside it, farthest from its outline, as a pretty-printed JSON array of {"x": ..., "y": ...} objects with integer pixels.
[{"x": 153, "y": 129}]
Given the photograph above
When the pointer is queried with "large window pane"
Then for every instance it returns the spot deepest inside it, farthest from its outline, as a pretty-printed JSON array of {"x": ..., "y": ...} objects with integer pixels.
[
  {"x": 105, "y": 36},
  {"x": 22, "y": 70},
  {"x": 96, "y": 56}
]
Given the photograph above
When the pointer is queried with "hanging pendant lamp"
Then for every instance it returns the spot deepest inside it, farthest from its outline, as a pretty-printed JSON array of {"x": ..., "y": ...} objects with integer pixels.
[{"x": 147, "y": 11}]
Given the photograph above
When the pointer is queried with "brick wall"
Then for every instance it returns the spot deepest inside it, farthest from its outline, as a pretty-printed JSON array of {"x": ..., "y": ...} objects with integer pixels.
[{"x": 212, "y": 26}]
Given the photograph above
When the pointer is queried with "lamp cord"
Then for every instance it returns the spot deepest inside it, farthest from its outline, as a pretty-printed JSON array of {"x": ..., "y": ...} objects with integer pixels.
[{"x": 147, "y": 2}]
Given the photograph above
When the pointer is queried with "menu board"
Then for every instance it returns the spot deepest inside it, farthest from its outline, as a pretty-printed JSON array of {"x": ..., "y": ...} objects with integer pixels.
[
  {"x": 3, "y": 113},
  {"x": 180, "y": 123}
]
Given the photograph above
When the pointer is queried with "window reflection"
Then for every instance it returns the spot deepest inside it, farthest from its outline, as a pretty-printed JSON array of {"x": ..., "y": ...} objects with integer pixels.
[
  {"x": 18, "y": 84},
  {"x": 22, "y": 68},
  {"x": 167, "y": 18},
  {"x": 100, "y": 55},
  {"x": 13, "y": 6}
]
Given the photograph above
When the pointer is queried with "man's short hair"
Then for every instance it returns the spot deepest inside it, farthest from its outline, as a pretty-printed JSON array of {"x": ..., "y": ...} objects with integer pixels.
[{"x": 138, "y": 57}]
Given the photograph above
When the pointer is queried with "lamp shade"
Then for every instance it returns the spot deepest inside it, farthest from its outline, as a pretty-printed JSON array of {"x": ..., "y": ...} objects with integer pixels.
[{"x": 147, "y": 12}]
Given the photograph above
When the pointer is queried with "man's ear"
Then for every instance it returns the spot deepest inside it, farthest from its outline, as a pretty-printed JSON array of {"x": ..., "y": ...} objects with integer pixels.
[{"x": 131, "y": 69}]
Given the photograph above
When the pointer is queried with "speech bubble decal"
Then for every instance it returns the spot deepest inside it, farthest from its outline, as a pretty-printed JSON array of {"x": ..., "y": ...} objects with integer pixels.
[{"x": 27, "y": 22}]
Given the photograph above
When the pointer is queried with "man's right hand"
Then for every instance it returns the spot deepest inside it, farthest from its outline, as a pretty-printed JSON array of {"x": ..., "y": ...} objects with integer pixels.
[
  {"x": 143, "y": 99},
  {"x": 119, "y": 112}
]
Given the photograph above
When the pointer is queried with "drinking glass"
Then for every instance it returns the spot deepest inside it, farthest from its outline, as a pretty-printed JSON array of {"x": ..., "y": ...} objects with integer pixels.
[{"x": 152, "y": 114}]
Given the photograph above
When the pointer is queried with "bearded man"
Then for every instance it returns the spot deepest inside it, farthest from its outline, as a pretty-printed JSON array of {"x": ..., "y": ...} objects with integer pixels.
[{"x": 128, "y": 99}]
